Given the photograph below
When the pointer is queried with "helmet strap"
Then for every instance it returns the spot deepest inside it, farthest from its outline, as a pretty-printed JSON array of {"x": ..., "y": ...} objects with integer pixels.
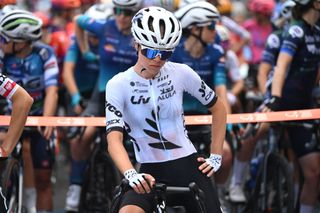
[{"x": 198, "y": 37}]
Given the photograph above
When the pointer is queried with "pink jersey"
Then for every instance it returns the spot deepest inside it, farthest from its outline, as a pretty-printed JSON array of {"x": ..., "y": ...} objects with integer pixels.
[{"x": 259, "y": 35}]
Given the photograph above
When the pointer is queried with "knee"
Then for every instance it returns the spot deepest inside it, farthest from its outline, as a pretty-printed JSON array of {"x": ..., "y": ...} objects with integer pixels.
[{"x": 312, "y": 176}]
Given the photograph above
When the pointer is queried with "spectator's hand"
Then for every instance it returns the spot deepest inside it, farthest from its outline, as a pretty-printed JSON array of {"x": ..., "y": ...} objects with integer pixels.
[
  {"x": 3, "y": 153},
  {"x": 273, "y": 104},
  {"x": 210, "y": 165},
  {"x": 140, "y": 182},
  {"x": 46, "y": 132},
  {"x": 90, "y": 56}
]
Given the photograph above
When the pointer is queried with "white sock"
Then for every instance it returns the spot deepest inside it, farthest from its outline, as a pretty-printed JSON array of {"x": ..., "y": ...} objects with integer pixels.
[
  {"x": 239, "y": 168},
  {"x": 30, "y": 199},
  {"x": 306, "y": 208}
]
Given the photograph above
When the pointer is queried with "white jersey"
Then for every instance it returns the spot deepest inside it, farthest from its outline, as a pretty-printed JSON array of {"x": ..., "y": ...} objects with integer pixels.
[
  {"x": 7, "y": 87},
  {"x": 151, "y": 110}
]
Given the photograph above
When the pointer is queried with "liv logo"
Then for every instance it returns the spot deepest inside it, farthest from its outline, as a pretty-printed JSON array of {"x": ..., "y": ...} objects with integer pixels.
[{"x": 139, "y": 100}]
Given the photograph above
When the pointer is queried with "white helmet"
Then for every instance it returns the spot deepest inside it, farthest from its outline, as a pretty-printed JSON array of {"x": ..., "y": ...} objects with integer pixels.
[
  {"x": 156, "y": 28},
  {"x": 20, "y": 25},
  {"x": 100, "y": 11},
  {"x": 200, "y": 13},
  {"x": 128, "y": 4},
  {"x": 286, "y": 9}
]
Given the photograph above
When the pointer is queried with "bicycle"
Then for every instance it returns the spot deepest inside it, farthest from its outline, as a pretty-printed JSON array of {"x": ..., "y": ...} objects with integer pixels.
[
  {"x": 269, "y": 187},
  {"x": 12, "y": 180},
  {"x": 161, "y": 192},
  {"x": 100, "y": 179}
]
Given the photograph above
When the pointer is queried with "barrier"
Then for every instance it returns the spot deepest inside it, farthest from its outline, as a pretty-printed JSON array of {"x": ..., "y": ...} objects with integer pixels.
[{"x": 309, "y": 114}]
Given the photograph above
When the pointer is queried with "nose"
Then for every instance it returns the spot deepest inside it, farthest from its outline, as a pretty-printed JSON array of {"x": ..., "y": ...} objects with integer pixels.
[{"x": 157, "y": 58}]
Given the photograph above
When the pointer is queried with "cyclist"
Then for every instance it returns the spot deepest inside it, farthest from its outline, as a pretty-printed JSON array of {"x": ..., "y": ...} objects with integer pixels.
[
  {"x": 80, "y": 78},
  {"x": 147, "y": 100},
  {"x": 34, "y": 66},
  {"x": 265, "y": 74},
  {"x": 21, "y": 104},
  {"x": 198, "y": 50},
  {"x": 295, "y": 75}
]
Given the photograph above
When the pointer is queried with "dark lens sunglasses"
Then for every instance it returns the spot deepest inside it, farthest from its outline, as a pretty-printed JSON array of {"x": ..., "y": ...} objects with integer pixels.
[
  {"x": 212, "y": 26},
  {"x": 118, "y": 11},
  {"x": 4, "y": 40},
  {"x": 152, "y": 54}
]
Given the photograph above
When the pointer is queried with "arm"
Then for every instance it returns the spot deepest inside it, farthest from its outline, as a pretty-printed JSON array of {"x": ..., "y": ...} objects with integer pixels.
[
  {"x": 283, "y": 63},
  {"x": 221, "y": 91},
  {"x": 81, "y": 36},
  {"x": 49, "y": 108},
  {"x": 22, "y": 103},
  {"x": 237, "y": 87},
  {"x": 264, "y": 69}
]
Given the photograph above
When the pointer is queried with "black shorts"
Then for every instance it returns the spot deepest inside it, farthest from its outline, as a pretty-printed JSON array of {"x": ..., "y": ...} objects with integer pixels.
[{"x": 178, "y": 172}]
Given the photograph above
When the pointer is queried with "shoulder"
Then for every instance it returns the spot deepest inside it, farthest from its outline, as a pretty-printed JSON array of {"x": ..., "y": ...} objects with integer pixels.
[
  {"x": 177, "y": 68},
  {"x": 296, "y": 30},
  {"x": 119, "y": 80},
  {"x": 45, "y": 51},
  {"x": 273, "y": 41}
]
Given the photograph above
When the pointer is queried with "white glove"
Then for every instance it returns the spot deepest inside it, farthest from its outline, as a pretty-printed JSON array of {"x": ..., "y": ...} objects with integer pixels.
[
  {"x": 214, "y": 161},
  {"x": 133, "y": 177}
]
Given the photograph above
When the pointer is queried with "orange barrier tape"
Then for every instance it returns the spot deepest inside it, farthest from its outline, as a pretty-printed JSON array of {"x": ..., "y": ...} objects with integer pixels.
[{"x": 190, "y": 120}]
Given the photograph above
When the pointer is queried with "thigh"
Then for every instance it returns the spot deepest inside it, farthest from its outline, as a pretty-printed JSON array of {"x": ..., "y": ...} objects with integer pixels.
[
  {"x": 144, "y": 201},
  {"x": 41, "y": 151}
]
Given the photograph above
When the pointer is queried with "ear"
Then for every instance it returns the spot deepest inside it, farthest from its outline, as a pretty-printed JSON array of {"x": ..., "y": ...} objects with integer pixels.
[{"x": 137, "y": 46}]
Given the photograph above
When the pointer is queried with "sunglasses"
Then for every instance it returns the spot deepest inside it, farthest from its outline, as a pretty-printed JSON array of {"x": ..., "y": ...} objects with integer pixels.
[
  {"x": 118, "y": 11},
  {"x": 212, "y": 26},
  {"x": 152, "y": 54},
  {"x": 4, "y": 40}
]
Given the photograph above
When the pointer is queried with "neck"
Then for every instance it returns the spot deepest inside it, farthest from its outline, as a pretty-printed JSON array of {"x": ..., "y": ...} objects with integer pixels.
[
  {"x": 194, "y": 47},
  {"x": 143, "y": 72},
  {"x": 311, "y": 17},
  {"x": 24, "y": 51}
]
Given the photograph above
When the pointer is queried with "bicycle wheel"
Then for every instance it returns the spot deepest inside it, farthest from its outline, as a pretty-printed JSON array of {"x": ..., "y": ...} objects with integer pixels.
[
  {"x": 101, "y": 179},
  {"x": 11, "y": 186},
  {"x": 276, "y": 194}
]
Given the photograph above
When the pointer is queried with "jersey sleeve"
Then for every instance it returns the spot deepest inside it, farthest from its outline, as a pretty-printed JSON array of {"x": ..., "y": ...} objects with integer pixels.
[
  {"x": 72, "y": 53},
  {"x": 292, "y": 39},
  {"x": 51, "y": 70},
  {"x": 7, "y": 87},
  {"x": 219, "y": 72},
  {"x": 114, "y": 106},
  {"x": 90, "y": 24},
  {"x": 271, "y": 50},
  {"x": 232, "y": 65},
  {"x": 195, "y": 86}
]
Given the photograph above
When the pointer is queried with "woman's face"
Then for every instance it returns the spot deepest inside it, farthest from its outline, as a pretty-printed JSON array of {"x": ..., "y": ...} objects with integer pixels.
[
  {"x": 123, "y": 18},
  {"x": 208, "y": 34},
  {"x": 150, "y": 66}
]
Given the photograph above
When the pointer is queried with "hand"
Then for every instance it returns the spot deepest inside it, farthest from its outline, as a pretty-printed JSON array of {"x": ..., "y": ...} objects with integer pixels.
[
  {"x": 46, "y": 131},
  {"x": 90, "y": 56},
  {"x": 273, "y": 103},
  {"x": 210, "y": 165},
  {"x": 140, "y": 182},
  {"x": 3, "y": 153}
]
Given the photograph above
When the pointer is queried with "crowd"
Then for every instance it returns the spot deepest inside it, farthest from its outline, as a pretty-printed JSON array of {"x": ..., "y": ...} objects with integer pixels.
[{"x": 144, "y": 64}]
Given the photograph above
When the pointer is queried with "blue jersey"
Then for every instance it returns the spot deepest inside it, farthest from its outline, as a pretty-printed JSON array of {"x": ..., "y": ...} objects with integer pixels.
[
  {"x": 302, "y": 42},
  {"x": 85, "y": 73},
  {"x": 116, "y": 50},
  {"x": 34, "y": 73},
  {"x": 210, "y": 67}
]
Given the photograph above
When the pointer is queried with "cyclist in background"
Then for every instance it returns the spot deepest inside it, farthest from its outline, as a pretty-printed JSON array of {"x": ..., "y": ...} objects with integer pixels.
[
  {"x": 198, "y": 50},
  {"x": 147, "y": 100},
  {"x": 265, "y": 77},
  {"x": 80, "y": 77},
  {"x": 296, "y": 73},
  {"x": 21, "y": 104},
  {"x": 33, "y": 66},
  {"x": 235, "y": 82}
]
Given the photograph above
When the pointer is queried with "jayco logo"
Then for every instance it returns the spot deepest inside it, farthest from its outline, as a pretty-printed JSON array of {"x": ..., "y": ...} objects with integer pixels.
[
  {"x": 113, "y": 109},
  {"x": 140, "y": 100}
]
